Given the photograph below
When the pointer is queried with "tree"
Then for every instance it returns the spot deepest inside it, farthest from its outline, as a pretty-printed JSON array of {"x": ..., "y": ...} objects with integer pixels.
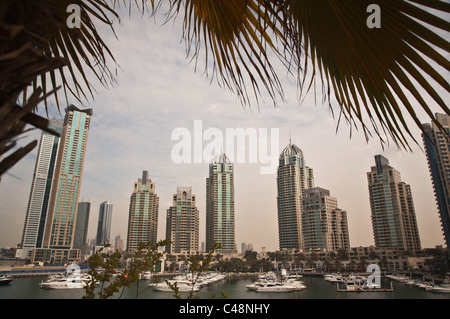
[
  {"x": 106, "y": 281},
  {"x": 377, "y": 61}
]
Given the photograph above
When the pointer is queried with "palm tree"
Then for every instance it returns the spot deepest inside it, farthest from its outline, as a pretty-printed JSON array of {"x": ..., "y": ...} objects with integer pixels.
[{"x": 379, "y": 77}]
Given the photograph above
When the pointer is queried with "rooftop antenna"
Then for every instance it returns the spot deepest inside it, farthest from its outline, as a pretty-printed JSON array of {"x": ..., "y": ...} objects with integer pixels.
[{"x": 289, "y": 137}]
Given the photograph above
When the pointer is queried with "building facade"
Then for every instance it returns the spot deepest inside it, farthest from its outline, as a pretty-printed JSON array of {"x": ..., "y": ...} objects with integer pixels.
[
  {"x": 220, "y": 214},
  {"x": 104, "y": 224},
  {"x": 324, "y": 225},
  {"x": 60, "y": 227},
  {"x": 182, "y": 226},
  {"x": 143, "y": 214},
  {"x": 81, "y": 226},
  {"x": 293, "y": 178},
  {"x": 393, "y": 215},
  {"x": 41, "y": 188},
  {"x": 437, "y": 148}
]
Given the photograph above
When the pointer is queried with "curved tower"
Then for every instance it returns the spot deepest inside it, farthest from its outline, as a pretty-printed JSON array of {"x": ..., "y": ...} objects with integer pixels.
[
  {"x": 220, "y": 227},
  {"x": 293, "y": 177}
]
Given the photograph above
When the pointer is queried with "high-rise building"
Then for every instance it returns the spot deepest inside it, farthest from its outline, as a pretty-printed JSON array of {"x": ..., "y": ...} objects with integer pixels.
[
  {"x": 81, "y": 226},
  {"x": 182, "y": 226},
  {"x": 393, "y": 215},
  {"x": 437, "y": 147},
  {"x": 220, "y": 214},
  {"x": 60, "y": 227},
  {"x": 293, "y": 178},
  {"x": 324, "y": 224},
  {"x": 143, "y": 213},
  {"x": 118, "y": 243},
  {"x": 41, "y": 187},
  {"x": 104, "y": 224}
]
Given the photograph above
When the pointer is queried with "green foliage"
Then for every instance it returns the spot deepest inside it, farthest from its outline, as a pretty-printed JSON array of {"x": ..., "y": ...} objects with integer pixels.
[
  {"x": 107, "y": 281},
  {"x": 197, "y": 265}
]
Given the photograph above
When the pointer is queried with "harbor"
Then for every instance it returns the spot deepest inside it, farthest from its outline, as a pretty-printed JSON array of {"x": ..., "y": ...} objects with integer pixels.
[{"x": 234, "y": 286}]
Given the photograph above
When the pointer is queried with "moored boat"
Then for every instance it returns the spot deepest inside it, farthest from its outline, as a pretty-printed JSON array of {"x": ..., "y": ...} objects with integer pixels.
[
  {"x": 445, "y": 288},
  {"x": 69, "y": 282},
  {"x": 275, "y": 287},
  {"x": 182, "y": 285},
  {"x": 5, "y": 280}
]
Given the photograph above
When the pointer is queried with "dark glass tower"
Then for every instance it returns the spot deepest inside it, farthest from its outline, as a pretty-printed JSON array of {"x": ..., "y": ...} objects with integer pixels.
[{"x": 437, "y": 147}]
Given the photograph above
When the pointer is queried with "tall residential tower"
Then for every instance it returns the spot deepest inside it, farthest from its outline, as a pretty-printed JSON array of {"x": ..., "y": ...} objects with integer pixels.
[
  {"x": 41, "y": 188},
  {"x": 393, "y": 215},
  {"x": 182, "y": 227},
  {"x": 324, "y": 224},
  {"x": 67, "y": 180},
  {"x": 220, "y": 227},
  {"x": 143, "y": 214},
  {"x": 293, "y": 178},
  {"x": 437, "y": 147}
]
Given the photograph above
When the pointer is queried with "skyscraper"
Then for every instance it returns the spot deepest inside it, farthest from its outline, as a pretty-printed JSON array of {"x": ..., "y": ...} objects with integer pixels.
[
  {"x": 81, "y": 225},
  {"x": 60, "y": 227},
  {"x": 182, "y": 227},
  {"x": 437, "y": 147},
  {"x": 104, "y": 224},
  {"x": 393, "y": 215},
  {"x": 41, "y": 187},
  {"x": 220, "y": 226},
  {"x": 143, "y": 213},
  {"x": 293, "y": 178},
  {"x": 324, "y": 224}
]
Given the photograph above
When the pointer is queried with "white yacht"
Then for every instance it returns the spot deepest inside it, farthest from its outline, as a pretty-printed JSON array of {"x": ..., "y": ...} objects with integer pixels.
[
  {"x": 145, "y": 275},
  {"x": 275, "y": 287},
  {"x": 297, "y": 284},
  {"x": 201, "y": 280},
  {"x": 4, "y": 279},
  {"x": 333, "y": 278},
  {"x": 444, "y": 288},
  {"x": 182, "y": 285},
  {"x": 62, "y": 282},
  {"x": 259, "y": 283}
]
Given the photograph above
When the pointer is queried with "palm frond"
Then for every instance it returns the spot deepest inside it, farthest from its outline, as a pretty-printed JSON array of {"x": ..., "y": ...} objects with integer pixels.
[
  {"x": 234, "y": 38},
  {"x": 83, "y": 48},
  {"x": 370, "y": 70}
]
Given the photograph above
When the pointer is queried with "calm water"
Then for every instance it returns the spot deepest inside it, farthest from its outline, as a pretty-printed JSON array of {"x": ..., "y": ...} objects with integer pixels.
[{"x": 317, "y": 288}]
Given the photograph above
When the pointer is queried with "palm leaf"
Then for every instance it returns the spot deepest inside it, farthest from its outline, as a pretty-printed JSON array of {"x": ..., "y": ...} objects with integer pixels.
[
  {"x": 83, "y": 48},
  {"x": 370, "y": 70},
  {"x": 234, "y": 38}
]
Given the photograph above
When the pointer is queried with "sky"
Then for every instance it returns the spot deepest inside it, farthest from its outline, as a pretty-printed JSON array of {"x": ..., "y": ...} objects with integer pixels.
[{"x": 159, "y": 91}]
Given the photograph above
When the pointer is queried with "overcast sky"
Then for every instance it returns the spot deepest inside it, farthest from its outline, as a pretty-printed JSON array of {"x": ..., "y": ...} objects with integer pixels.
[{"x": 157, "y": 92}]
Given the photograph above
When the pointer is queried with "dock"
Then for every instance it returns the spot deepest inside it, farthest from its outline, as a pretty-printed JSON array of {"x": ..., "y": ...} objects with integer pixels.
[{"x": 357, "y": 288}]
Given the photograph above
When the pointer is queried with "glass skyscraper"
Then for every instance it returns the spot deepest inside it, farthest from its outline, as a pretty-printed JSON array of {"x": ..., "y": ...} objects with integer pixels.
[
  {"x": 393, "y": 215},
  {"x": 220, "y": 215},
  {"x": 143, "y": 214},
  {"x": 293, "y": 178},
  {"x": 81, "y": 226},
  {"x": 41, "y": 187},
  {"x": 104, "y": 224},
  {"x": 182, "y": 227},
  {"x": 60, "y": 227},
  {"x": 437, "y": 147}
]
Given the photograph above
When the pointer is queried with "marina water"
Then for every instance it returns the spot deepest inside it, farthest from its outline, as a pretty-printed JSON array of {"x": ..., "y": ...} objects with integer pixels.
[{"x": 232, "y": 287}]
